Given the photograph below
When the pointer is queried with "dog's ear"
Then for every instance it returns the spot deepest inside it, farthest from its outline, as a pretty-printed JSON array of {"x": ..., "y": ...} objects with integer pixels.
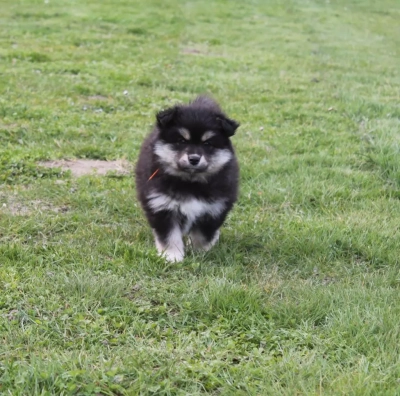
[
  {"x": 228, "y": 125},
  {"x": 167, "y": 117}
]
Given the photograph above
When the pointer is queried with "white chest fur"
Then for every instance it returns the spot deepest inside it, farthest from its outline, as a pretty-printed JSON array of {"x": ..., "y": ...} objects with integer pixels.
[{"x": 191, "y": 208}]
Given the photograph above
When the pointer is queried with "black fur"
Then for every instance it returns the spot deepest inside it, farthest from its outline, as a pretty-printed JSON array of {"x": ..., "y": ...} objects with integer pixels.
[{"x": 181, "y": 197}]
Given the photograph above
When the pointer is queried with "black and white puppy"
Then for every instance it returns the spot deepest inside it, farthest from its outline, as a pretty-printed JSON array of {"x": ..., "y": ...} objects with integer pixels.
[{"x": 187, "y": 176}]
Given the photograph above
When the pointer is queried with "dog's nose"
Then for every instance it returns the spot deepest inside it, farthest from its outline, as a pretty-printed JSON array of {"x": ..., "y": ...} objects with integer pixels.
[{"x": 194, "y": 159}]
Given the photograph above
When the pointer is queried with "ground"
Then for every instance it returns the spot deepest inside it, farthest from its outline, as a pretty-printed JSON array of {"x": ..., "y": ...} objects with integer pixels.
[{"x": 301, "y": 294}]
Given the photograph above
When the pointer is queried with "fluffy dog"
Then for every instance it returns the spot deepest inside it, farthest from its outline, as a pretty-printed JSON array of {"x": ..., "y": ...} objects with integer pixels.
[{"x": 187, "y": 176}]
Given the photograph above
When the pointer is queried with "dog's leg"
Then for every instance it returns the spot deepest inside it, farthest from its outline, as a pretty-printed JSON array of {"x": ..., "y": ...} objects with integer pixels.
[
  {"x": 201, "y": 241},
  {"x": 167, "y": 235},
  {"x": 170, "y": 245},
  {"x": 204, "y": 236}
]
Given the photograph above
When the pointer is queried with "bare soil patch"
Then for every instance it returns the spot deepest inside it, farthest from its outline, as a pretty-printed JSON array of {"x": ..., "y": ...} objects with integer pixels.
[
  {"x": 81, "y": 167},
  {"x": 193, "y": 51},
  {"x": 98, "y": 97},
  {"x": 17, "y": 208},
  {"x": 204, "y": 51}
]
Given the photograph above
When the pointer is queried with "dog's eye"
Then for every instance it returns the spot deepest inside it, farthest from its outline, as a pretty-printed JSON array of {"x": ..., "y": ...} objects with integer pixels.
[
  {"x": 207, "y": 143},
  {"x": 181, "y": 140}
]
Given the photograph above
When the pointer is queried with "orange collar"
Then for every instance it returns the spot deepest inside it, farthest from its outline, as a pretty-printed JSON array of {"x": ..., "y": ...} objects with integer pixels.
[{"x": 153, "y": 174}]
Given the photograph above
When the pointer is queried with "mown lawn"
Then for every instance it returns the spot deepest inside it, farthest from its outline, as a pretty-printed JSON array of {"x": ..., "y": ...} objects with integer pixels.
[{"x": 300, "y": 297}]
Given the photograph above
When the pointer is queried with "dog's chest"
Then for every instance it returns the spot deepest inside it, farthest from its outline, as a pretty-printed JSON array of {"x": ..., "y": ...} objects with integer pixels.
[{"x": 189, "y": 207}]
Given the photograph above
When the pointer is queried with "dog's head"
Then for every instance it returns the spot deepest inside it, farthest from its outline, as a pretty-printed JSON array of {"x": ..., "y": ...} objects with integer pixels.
[{"x": 194, "y": 140}]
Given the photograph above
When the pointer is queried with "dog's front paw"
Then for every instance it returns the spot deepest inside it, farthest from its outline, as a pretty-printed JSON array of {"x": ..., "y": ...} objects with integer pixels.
[
  {"x": 199, "y": 241},
  {"x": 172, "y": 255},
  {"x": 172, "y": 249}
]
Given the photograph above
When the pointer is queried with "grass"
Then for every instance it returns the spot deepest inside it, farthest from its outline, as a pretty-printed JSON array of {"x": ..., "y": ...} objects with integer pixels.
[{"x": 300, "y": 297}]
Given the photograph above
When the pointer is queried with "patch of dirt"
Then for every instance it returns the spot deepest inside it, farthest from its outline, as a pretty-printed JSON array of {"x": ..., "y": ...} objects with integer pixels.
[
  {"x": 81, "y": 167},
  {"x": 97, "y": 97},
  {"x": 9, "y": 127},
  {"x": 201, "y": 51},
  {"x": 27, "y": 208},
  {"x": 192, "y": 51}
]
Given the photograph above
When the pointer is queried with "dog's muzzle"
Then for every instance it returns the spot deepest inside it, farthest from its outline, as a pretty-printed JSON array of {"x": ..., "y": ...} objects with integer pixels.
[{"x": 192, "y": 163}]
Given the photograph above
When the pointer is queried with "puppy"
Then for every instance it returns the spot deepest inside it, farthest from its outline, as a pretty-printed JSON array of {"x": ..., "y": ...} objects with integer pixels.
[{"x": 187, "y": 176}]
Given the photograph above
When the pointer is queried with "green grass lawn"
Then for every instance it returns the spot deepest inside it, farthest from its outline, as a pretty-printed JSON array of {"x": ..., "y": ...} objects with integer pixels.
[{"x": 301, "y": 295}]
